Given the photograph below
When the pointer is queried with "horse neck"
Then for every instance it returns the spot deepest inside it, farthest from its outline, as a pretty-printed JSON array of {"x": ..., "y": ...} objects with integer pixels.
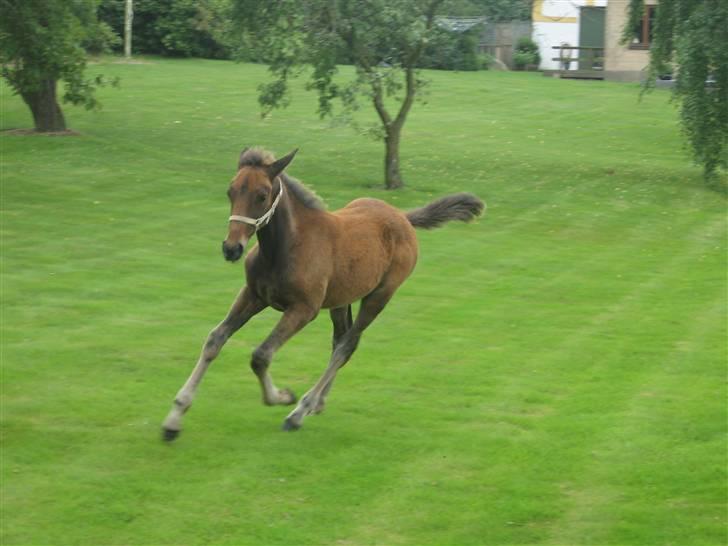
[{"x": 275, "y": 239}]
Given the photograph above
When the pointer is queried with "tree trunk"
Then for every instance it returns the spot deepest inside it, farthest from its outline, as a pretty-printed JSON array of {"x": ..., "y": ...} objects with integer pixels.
[
  {"x": 392, "y": 178},
  {"x": 128, "y": 17},
  {"x": 43, "y": 103}
]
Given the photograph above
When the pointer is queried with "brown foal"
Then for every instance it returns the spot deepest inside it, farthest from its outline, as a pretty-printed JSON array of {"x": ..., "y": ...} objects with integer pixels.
[{"x": 307, "y": 259}]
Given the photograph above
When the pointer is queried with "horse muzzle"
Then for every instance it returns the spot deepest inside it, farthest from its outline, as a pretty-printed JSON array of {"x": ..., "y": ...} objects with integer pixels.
[{"x": 232, "y": 253}]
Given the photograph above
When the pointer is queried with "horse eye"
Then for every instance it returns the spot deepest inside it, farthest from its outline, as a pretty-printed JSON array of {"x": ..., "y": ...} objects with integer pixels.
[{"x": 261, "y": 197}]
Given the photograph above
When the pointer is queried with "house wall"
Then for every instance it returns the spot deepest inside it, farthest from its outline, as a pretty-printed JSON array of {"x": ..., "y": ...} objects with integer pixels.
[
  {"x": 555, "y": 22},
  {"x": 621, "y": 62}
]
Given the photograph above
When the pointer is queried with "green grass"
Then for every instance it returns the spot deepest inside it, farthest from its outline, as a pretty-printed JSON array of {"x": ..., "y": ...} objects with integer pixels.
[{"x": 554, "y": 374}]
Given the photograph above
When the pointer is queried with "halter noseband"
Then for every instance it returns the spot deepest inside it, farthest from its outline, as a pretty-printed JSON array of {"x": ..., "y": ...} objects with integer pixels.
[{"x": 263, "y": 220}]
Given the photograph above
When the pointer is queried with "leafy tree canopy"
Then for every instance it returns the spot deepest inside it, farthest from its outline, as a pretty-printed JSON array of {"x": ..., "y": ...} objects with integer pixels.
[
  {"x": 383, "y": 39},
  {"x": 497, "y": 11},
  {"x": 41, "y": 43},
  {"x": 183, "y": 28}
]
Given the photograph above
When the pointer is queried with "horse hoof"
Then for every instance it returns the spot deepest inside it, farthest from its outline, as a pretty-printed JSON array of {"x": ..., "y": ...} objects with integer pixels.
[
  {"x": 289, "y": 398},
  {"x": 289, "y": 425},
  {"x": 169, "y": 435}
]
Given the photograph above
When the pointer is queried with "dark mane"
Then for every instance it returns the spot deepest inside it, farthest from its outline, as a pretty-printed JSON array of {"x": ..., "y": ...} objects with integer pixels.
[
  {"x": 258, "y": 157},
  {"x": 307, "y": 197},
  {"x": 255, "y": 157}
]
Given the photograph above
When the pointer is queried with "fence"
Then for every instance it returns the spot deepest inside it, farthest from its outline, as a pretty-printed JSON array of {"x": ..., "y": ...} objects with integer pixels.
[
  {"x": 588, "y": 62},
  {"x": 499, "y": 39}
]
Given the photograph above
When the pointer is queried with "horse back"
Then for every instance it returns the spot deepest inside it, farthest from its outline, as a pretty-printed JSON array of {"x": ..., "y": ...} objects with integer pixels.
[{"x": 373, "y": 244}]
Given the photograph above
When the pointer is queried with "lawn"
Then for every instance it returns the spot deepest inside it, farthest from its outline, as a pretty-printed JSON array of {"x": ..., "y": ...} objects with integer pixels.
[{"x": 552, "y": 374}]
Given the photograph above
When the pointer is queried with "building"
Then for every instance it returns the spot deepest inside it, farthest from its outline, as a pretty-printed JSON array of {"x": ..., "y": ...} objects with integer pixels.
[{"x": 581, "y": 38}]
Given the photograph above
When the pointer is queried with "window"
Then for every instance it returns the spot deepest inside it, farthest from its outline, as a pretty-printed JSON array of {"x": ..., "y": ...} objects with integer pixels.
[{"x": 643, "y": 29}]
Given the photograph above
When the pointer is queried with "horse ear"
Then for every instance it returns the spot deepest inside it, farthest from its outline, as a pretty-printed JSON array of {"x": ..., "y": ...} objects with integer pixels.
[
  {"x": 276, "y": 168},
  {"x": 240, "y": 159}
]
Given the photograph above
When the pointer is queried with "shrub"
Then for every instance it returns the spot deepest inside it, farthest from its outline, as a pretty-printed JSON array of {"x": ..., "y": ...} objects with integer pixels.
[
  {"x": 522, "y": 59},
  {"x": 526, "y": 53},
  {"x": 484, "y": 61},
  {"x": 447, "y": 50}
]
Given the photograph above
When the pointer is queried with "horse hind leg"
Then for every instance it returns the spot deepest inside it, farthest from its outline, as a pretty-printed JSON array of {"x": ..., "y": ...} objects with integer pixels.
[
  {"x": 371, "y": 306},
  {"x": 342, "y": 321},
  {"x": 242, "y": 310}
]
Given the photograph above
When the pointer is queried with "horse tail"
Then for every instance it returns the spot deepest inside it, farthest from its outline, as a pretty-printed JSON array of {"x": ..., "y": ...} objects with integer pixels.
[{"x": 458, "y": 206}]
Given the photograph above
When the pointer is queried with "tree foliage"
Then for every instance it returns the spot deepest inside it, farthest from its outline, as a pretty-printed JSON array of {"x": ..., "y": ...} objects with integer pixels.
[
  {"x": 497, "y": 11},
  {"x": 690, "y": 40},
  {"x": 41, "y": 43},
  {"x": 449, "y": 50},
  {"x": 181, "y": 28},
  {"x": 384, "y": 39},
  {"x": 202, "y": 28}
]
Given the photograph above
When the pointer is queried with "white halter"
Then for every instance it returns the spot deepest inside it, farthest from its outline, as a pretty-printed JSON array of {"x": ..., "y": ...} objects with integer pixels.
[{"x": 263, "y": 220}]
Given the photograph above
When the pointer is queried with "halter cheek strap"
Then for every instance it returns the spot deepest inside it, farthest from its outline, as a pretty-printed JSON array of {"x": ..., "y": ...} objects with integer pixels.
[{"x": 263, "y": 220}]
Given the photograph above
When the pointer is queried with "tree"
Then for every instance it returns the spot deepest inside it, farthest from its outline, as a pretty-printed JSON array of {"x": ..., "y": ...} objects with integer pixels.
[
  {"x": 383, "y": 39},
  {"x": 128, "y": 21},
  {"x": 40, "y": 45},
  {"x": 690, "y": 39},
  {"x": 497, "y": 11}
]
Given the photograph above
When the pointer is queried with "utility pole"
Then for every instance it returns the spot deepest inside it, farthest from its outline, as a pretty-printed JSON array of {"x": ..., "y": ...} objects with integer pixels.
[{"x": 128, "y": 16}]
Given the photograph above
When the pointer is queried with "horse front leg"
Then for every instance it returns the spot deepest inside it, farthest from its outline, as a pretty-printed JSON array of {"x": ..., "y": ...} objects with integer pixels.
[
  {"x": 245, "y": 306},
  {"x": 292, "y": 321}
]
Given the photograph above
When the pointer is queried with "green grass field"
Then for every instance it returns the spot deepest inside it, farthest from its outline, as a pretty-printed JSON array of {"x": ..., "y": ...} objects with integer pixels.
[{"x": 553, "y": 374}]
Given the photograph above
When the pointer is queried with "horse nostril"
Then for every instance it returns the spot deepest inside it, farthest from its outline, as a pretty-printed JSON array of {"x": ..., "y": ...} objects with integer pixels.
[{"x": 232, "y": 253}]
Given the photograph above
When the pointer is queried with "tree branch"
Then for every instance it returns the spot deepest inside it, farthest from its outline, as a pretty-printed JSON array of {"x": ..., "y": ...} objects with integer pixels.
[
  {"x": 363, "y": 61},
  {"x": 410, "y": 82}
]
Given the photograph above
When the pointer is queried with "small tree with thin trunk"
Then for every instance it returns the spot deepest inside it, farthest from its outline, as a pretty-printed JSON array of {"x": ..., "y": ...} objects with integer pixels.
[
  {"x": 383, "y": 39},
  {"x": 40, "y": 45},
  {"x": 128, "y": 19}
]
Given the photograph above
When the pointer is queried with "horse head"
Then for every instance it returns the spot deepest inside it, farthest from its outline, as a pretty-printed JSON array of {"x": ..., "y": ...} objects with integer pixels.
[{"x": 254, "y": 194}]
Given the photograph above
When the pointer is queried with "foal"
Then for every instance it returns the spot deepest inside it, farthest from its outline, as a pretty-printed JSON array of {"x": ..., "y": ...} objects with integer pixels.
[{"x": 307, "y": 259}]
